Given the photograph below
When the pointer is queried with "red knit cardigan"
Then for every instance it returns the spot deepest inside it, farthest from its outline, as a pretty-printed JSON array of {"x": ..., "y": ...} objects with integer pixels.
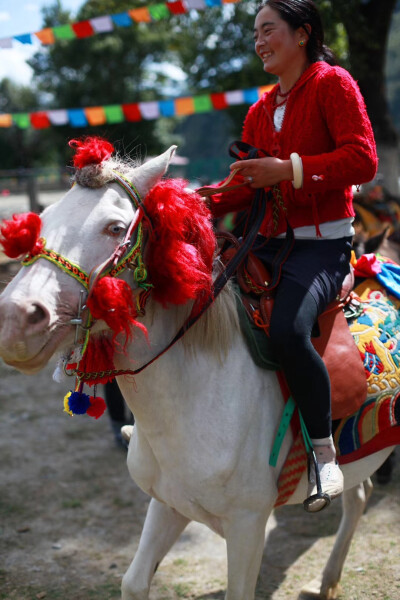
[{"x": 326, "y": 123}]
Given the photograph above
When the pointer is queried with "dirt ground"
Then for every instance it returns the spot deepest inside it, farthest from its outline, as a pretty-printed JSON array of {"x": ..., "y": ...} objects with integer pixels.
[{"x": 70, "y": 518}]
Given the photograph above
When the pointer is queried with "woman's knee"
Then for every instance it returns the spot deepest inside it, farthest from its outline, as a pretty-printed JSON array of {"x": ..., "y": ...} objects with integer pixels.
[{"x": 285, "y": 338}]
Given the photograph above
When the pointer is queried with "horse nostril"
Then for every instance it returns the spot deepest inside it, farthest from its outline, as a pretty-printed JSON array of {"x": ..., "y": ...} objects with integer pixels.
[{"x": 35, "y": 314}]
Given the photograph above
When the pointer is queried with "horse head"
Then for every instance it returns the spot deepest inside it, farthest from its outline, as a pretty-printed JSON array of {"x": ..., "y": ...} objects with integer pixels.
[{"x": 91, "y": 259}]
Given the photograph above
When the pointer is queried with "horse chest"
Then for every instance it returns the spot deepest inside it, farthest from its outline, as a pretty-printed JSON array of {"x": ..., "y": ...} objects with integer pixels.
[{"x": 191, "y": 498}]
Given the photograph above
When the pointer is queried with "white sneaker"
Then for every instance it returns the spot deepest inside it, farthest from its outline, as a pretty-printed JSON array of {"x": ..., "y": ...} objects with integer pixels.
[
  {"x": 331, "y": 478},
  {"x": 126, "y": 432}
]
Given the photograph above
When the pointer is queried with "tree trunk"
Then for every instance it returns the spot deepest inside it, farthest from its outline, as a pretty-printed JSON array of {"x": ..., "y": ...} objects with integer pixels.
[{"x": 367, "y": 25}]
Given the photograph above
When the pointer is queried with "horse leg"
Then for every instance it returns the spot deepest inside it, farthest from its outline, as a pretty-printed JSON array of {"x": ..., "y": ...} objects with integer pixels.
[
  {"x": 384, "y": 473},
  {"x": 162, "y": 527},
  {"x": 354, "y": 502},
  {"x": 245, "y": 538}
]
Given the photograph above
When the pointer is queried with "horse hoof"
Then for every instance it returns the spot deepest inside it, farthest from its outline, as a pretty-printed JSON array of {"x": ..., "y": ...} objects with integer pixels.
[
  {"x": 313, "y": 590},
  {"x": 126, "y": 432}
]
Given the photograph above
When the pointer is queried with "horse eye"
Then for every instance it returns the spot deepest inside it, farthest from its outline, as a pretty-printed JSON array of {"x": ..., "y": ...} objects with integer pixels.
[{"x": 115, "y": 229}]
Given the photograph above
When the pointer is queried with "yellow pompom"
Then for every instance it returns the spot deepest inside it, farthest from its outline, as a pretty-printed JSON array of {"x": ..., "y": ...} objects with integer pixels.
[{"x": 66, "y": 404}]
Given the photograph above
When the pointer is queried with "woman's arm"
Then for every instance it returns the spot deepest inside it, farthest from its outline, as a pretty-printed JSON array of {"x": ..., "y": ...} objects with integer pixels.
[{"x": 354, "y": 159}]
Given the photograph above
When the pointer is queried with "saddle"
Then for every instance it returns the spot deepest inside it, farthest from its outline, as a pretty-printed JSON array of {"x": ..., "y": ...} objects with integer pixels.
[{"x": 331, "y": 336}]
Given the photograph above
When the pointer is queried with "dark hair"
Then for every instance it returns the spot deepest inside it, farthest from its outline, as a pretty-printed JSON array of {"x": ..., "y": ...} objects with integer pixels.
[{"x": 299, "y": 13}]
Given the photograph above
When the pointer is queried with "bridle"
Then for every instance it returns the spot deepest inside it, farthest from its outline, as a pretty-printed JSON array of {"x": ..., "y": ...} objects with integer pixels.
[{"x": 127, "y": 255}]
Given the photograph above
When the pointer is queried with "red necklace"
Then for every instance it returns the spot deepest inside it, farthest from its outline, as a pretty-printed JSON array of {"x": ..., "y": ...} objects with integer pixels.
[{"x": 283, "y": 95}]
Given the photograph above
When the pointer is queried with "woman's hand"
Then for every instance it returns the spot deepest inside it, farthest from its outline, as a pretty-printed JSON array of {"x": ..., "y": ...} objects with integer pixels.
[{"x": 264, "y": 172}]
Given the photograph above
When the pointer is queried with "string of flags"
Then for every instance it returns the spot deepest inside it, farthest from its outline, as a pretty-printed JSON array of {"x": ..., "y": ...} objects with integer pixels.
[
  {"x": 136, "y": 111},
  {"x": 107, "y": 23}
]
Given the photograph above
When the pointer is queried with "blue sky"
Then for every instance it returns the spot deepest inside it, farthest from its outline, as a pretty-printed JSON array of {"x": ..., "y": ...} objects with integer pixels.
[{"x": 19, "y": 17}]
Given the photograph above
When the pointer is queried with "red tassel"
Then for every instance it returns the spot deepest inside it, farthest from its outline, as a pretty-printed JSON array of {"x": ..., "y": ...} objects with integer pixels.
[
  {"x": 180, "y": 258},
  {"x": 98, "y": 358},
  {"x": 112, "y": 301},
  {"x": 21, "y": 235},
  {"x": 91, "y": 150}
]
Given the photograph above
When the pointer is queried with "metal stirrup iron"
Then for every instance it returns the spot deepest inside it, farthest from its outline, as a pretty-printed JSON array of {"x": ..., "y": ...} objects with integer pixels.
[{"x": 320, "y": 495}]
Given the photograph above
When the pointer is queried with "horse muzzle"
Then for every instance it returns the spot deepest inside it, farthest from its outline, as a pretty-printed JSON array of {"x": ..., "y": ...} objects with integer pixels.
[{"x": 26, "y": 340}]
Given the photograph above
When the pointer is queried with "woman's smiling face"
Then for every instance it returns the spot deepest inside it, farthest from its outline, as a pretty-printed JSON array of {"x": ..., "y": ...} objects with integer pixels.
[{"x": 276, "y": 43}]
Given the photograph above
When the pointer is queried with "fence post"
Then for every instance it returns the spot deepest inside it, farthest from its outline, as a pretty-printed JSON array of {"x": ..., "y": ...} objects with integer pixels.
[{"x": 32, "y": 189}]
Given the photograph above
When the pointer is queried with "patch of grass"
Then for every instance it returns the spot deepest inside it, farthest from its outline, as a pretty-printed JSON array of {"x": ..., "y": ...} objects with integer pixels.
[
  {"x": 78, "y": 433},
  {"x": 182, "y": 590},
  {"x": 8, "y": 509},
  {"x": 121, "y": 503},
  {"x": 107, "y": 591},
  {"x": 72, "y": 503},
  {"x": 180, "y": 562}
]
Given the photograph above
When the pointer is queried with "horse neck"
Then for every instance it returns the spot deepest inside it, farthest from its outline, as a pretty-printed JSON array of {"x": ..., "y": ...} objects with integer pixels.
[
  {"x": 185, "y": 384},
  {"x": 162, "y": 326}
]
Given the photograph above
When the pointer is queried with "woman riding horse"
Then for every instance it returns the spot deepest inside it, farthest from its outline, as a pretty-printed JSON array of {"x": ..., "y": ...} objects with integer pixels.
[{"x": 316, "y": 142}]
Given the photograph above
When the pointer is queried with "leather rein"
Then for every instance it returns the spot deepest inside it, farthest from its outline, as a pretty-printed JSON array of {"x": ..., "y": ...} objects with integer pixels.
[{"x": 129, "y": 254}]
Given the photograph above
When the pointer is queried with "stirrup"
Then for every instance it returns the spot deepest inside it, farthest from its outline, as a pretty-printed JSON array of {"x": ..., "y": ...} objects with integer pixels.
[{"x": 320, "y": 495}]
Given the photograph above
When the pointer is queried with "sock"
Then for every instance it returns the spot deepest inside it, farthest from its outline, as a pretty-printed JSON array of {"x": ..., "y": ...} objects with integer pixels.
[{"x": 324, "y": 449}]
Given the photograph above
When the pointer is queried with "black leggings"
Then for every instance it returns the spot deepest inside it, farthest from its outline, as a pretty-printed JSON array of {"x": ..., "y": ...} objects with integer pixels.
[
  {"x": 311, "y": 278},
  {"x": 293, "y": 317}
]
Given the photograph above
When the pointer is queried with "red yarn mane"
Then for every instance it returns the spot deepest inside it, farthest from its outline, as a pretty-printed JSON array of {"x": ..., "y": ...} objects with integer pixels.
[
  {"x": 179, "y": 256},
  {"x": 20, "y": 235},
  {"x": 112, "y": 301},
  {"x": 91, "y": 150}
]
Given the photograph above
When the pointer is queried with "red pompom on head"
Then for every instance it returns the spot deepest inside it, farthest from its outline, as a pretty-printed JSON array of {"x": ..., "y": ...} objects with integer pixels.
[
  {"x": 180, "y": 258},
  {"x": 111, "y": 300},
  {"x": 91, "y": 150},
  {"x": 20, "y": 235}
]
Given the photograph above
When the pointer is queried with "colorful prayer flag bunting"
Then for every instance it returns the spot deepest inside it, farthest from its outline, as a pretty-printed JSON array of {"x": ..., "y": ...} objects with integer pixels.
[
  {"x": 114, "y": 113},
  {"x": 64, "y": 32},
  {"x": 6, "y": 120},
  {"x": 40, "y": 120},
  {"x": 107, "y": 23},
  {"x": 77, "y": 117},
  {"x": 95, "y": 115},
  {"x": 83, "y": 29},
  {"x": 46, "y": 36},
  {"x": 136, "y": 111},
  {"x": 58, "y": 117},
  {"x": 122, "y": 19},
  {"x": 25, "y": 38},
  {"x": 102, "y": 24}
]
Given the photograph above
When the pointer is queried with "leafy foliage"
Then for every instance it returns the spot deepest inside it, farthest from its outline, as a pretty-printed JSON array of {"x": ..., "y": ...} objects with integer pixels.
[
  {"x": 19, "y": 147},
  {"x": 214, "y": 48},
  {"x": 393, "y": 68}
]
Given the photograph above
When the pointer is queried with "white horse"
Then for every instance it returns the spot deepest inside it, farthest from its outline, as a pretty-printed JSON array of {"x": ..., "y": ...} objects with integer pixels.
[{"x": 205, "y": 414}]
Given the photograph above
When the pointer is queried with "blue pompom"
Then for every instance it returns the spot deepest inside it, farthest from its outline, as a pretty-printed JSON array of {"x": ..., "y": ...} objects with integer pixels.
[{"x": 78, "y": 403}]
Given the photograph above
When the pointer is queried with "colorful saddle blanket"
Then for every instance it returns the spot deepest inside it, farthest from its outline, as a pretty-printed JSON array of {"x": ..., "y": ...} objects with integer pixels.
[
  {"x": 377, "y": 334},
  {"x": 376, "y": 425}
]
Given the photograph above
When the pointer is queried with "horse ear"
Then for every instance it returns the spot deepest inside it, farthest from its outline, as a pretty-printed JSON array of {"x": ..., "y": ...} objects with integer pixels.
[{"x": 147, "y": 175}]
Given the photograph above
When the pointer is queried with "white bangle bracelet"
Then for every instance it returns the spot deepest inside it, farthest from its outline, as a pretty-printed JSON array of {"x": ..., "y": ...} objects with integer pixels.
[{"x": 297, "y": 165}]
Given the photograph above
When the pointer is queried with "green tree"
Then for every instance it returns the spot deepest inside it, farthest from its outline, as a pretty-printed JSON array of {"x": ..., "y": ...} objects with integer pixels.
[
  {"x": 106, "y": 69},
  {"x": 367, "y": 24},
  {"x": 21, "y": 147},
  {"x": 216, "y": 51},
  {"x": 393, "y": 68},
  {"x": 218, "y": 54}
]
